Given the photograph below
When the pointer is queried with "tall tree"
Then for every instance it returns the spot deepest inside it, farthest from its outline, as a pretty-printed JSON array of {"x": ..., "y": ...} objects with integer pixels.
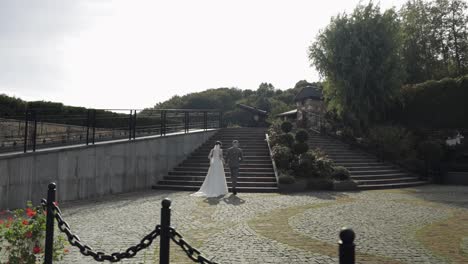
[{"x": 359, "y": 57}]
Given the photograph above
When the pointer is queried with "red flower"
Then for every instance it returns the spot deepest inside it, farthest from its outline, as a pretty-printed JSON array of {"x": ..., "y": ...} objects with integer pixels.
[
  {"x": 1, "y": 222},
  {"x": 10, "y": 219},
  {"x": 36, "y": 250},
  {"x": 30, "y": 212},
  {"x": 25, "y": 222},
  {"x": 7, "y": 225},
  {"x": 56, "y": 203},
  {"x": 28, "y": 234}
]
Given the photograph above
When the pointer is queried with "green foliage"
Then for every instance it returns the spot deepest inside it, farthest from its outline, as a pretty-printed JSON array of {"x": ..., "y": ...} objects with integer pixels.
[
  {"x": 286, "y": 179},
  {"x": 358, "y": 55},
  {"x": 300, "y": 148},
  {"x": 435, "y": 43},
  {"x": 431, "y": 151},
  {"x": 314, "y": 163},
  {"x": 286, "y": 140},
  {"x": 340, "y": 173},
  {"x": 282, "y": 156},
  {"x": 436, "y": 104},
  {"x": 391, "y": 142},
  {"x": 22, "y": 235},
  {"x": 286, "y": 127},
  {"x": 302, "y": 135}
]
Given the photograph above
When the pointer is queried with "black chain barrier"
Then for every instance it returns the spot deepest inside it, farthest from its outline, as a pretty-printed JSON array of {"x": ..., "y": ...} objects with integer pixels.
[
  {"x": 100, "y": 256},
  {"x": 346, "y": 249},
  {"x": 191, "y": 252}
]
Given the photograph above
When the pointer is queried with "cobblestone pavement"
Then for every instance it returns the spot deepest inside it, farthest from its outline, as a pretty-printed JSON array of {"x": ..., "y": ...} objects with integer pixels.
[{"x": 428, "y": 224}]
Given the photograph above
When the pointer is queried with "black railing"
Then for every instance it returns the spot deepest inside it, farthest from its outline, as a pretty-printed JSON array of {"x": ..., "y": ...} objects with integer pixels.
[
  {"x": 40, "y": 128},
  {"x": 166, "y": 234}
]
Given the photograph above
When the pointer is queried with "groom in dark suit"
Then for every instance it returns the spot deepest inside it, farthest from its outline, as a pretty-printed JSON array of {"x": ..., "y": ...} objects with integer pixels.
[{"x": 233, "y": 158}]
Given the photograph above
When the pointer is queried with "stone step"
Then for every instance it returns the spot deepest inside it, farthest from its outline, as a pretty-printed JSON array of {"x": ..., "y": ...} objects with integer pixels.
[
  {"x": 355, "y": 159},
  {"x": 246, "y": 157},
  {"x": 386, "y": 181},
  {"x": 358, "y": 164},
  {"x": 199, "y": 183},
  {"x": 226, "y": 169},
  {"x": 377, "y": 177},
  {"x": 392, "y": 175},
  {"x": 241, "y": 174},
  {"x": 244, "y": 163},
  {"x": 238, "y": 189},
  {"x": 369, "y": 168},
  {"x": 240, "y": 179},
  {"x": 375, "y": 172},
  {"x": 390, "y": 185}
]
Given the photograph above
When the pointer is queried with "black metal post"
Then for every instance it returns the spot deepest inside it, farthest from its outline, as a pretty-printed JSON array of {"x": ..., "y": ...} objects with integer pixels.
[
  {"x": 205, "y": 120},
  {"x": 94, "y": 126},
  {"x": 346, "y": 246},
  {"x": 26, "y": 120},
  {"x": 49, "y": 240},
  {"x": 134, "y": 124},
  {"x": 87, "y": 126},
  {"x": 220, "y": 120},
  {"x": 165, "y": 236},
  {"x": 130, "y": 125},
  {"x": 185, "y": 122},
  {"x": 34, "y": 116}
]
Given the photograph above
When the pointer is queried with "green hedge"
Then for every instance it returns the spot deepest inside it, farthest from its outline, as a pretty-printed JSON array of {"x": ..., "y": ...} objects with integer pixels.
[{"x": 436, "y": 104}]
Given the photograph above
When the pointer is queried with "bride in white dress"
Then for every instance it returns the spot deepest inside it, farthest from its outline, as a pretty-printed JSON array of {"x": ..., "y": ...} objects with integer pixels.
[{"x": 215, "y": 181}]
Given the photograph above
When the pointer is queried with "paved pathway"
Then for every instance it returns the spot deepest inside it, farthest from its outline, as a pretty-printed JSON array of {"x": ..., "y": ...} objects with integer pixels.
[{"x": 427, "y": 224}]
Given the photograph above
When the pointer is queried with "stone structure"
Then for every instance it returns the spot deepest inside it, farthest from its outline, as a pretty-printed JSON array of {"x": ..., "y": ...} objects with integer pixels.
[
  {"x": 84, "y": 172},
  {"x": 310, "y": 107}
]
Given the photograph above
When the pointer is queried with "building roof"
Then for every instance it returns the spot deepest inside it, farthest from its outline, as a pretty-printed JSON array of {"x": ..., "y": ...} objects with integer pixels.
[
  {"x": 253, "y": 110},
  {"x": 288, "y": 113},
  {"x": 310, "y": 91}
]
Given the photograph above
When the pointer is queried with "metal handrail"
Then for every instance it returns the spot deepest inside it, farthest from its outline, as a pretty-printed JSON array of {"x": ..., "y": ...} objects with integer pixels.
[{"x": 267, "y": 138}]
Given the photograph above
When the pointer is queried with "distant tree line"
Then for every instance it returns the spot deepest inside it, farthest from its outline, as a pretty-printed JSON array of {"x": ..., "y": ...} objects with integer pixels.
[{"x": 266, "y": 97}]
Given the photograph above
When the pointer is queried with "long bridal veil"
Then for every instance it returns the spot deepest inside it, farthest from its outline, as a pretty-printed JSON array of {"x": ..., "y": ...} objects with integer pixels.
[{"x": 214, "y": 184}]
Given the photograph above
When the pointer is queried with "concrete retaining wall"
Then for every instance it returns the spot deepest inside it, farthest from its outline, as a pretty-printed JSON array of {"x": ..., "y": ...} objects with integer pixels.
[{"x": 92, "y": 171}]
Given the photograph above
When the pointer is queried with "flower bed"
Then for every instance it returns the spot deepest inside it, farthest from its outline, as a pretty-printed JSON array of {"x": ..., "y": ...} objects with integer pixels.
[{"x": 22, "y": 236}]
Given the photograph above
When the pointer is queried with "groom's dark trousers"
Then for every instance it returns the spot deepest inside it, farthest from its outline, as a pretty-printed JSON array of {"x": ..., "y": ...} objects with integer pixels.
[{"x": 234, "y": 175}]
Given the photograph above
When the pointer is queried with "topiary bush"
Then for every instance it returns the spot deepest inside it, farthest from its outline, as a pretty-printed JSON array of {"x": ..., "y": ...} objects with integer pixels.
[
  {"x": 431, "y": 151},
  {"x": 286, "y": 127},
  {"x": 282, "y": 156},
  {"x": 300, "y": 148},
  {"x": 302, "y": 136},
  {"x": 324, "y": 167},
  {"x": 286, "y": 179},
  {"x": 286, "y": 140},
  {"x": 305, "y": 166},
  {"x": 340, "y": 173}
]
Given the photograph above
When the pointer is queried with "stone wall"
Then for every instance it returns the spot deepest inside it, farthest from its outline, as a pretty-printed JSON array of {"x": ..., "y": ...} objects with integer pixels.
[
  {"x": 84, "y": 172},
  {"x": 307, "y": 111}
]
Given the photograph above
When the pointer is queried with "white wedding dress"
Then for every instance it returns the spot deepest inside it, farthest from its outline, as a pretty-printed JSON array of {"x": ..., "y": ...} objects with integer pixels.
[{"x": 215, "y": 181}]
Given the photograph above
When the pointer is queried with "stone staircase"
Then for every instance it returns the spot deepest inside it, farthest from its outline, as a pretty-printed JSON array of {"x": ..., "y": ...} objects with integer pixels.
[
  {"x": 256, "y": 172},
  {"x": 365, "y": 169}
]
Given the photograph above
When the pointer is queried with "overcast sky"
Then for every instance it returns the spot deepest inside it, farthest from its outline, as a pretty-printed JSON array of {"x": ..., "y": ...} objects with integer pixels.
[{"x": 135, "y": 53}]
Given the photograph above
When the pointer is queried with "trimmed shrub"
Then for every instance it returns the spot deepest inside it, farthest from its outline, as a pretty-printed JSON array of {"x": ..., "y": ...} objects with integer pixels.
[
  {"x": 286, "y": 127},
  {"x": 282, "y": 156},
  {"x": 286, "y": 179},
  {"x": 431, "y": 151},
  {"x": 391, "y": 142},
  {"x": 324, "y": 167},
  {"x": 436, "y": 104},
  {"x": 300, "y": 148},
  {"x": 286, "y": 140},
  {"x": 340, "y": 173},
  {"x": 302, "y": 136},
  {"x": 305, "y": 166}
]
